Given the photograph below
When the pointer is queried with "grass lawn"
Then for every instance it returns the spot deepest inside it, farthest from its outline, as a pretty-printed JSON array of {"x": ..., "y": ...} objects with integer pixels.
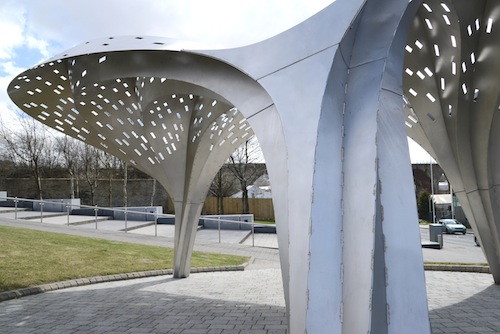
[
  {"x": 459, "y": 264},
  {"x": 264, "y": 222},
  {"x": 29, "y": 258}
]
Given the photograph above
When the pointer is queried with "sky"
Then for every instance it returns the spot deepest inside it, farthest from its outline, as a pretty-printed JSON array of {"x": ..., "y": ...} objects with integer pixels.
[{"x": 32, "y": 31}]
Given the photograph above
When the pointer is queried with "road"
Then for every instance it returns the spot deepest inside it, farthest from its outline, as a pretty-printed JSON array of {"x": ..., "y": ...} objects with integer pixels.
[
  {"x": 457, "y": 248},
  {"x": 455, "y": 239}
]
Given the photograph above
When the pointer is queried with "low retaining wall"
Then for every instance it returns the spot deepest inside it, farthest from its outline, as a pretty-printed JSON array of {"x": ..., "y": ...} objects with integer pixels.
[
  {"x": 57, "y": 205},
  {"x": 213, "y": 222},
  {"x": 148, "y": 215}
]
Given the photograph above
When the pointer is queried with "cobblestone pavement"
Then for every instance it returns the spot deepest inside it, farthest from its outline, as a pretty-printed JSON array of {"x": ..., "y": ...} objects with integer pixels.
[
  {"x": 463, "y": 302},
  {"x": 249, "y": 301},
  {"x": 224, "y": 302}
]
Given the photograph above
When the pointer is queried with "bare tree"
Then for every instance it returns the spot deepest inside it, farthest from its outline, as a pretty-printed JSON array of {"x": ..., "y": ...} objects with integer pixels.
[
  {"x": 91, "y": 163},
  {"x": 153, "y": 191},
  {"x": 110, "y": 164},
  {"x": 222, "y": 186},
  {"x": 52, "y": 157},
  {"x": 7, "y": 166},
  {"x": 31, "y": 144},
  {"x": 70, "y": 150},
  {"x": 242, "y": 164}
]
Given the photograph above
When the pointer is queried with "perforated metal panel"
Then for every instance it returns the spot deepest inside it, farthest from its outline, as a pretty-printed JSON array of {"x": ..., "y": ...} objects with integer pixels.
[
  {"x": 118, "y": 101},
  {"x": 452, "y": 98}
]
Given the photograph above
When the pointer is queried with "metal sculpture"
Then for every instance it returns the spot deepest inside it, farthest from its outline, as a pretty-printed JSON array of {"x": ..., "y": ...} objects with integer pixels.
[
  {"x": 452, "y": 94},
  {"x": 325, "y": 100}
]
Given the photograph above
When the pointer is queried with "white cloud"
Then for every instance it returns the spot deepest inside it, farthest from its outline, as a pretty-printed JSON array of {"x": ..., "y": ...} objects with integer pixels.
[
  {"x": 39, "y": 45},
  {"x": 32, "y": 30},
  {"x": 221, "y": 22},
  {"x": 10, "y": 68},
  {"x": 11, "y": 28},
  {"x": 8, "y": 114}
]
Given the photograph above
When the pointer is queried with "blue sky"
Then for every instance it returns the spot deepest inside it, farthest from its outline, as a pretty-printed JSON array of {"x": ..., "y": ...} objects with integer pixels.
[{"x": 34, "y": 30}]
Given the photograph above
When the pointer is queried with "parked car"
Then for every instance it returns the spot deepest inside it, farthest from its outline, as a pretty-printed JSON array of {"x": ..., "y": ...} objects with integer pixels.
[{"x": 452, "y": 226}]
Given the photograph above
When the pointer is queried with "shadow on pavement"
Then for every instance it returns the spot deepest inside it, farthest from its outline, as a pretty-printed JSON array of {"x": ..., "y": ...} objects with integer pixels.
[
  {"x": 156, "y": 305},
  {"x": 479, "y": 313}
]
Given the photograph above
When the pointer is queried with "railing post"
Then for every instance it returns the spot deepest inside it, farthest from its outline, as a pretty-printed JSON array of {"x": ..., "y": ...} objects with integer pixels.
[
  {"x": 41, "y": 212},
  {"x": 95, "y": 213},
  {"x": 67, "y": 211},
  {"x": 156, "y": 224},
  {"x": 15, "y": 207},
  {"x": 126, "y": 220},
  {"x": 253, "y": 233},
  {"x": 218, "y": 226}
]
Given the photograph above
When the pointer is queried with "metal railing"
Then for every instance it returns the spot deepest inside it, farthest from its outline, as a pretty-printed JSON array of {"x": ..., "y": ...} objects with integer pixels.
[{"x": 242, "y": 221}]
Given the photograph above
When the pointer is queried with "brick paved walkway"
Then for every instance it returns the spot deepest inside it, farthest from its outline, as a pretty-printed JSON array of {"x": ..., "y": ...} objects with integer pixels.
[{"x": 224, "y": 302}]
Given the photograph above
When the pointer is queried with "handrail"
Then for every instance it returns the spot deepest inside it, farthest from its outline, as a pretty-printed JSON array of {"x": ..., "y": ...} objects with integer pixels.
[{"x": 216, "y": 218}]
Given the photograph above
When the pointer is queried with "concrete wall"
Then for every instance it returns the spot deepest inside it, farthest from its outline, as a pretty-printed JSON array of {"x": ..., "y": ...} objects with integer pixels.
[
  {"x": 139, "y": 191},
  {"x": 57, "y": 205}
]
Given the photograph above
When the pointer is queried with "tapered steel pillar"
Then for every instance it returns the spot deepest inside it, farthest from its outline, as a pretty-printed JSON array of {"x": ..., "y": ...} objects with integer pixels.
[
  {"x": 346, "y": 265},
  {"x": 185, "y": 232},
  {"x": 325, "y": 101}
]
